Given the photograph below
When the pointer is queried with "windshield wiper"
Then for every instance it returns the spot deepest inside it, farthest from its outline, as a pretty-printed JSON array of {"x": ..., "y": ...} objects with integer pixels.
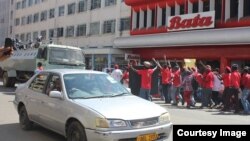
[{"x": 120, "y": 94}]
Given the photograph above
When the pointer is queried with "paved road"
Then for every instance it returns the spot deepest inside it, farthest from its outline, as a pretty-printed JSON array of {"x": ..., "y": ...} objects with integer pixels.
[{"x": 10, "y": 130}]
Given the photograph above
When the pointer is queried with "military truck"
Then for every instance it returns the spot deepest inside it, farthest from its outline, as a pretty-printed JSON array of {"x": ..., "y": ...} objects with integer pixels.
[{"x": 23, "y": 62}]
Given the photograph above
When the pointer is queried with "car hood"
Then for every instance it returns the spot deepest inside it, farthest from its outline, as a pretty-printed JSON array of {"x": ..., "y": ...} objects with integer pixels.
[{"x": 123, "y": 107}]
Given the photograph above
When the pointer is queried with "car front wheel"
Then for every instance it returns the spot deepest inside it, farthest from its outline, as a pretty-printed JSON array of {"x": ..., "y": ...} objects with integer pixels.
[
  {"x": 24, "y": 121},
  {"x": 75, "y": 132}
]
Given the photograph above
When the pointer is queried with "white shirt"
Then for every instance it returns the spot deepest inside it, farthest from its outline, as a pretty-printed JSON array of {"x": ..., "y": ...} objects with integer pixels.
[
  {"x": 217, "y": 84},
  {"x": 117, "y": 74}
]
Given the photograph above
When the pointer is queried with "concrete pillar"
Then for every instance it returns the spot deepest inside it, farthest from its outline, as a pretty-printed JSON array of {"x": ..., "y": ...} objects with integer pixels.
[
  {"x": 159, "y": 16},
  {"x": 149, "y": 17},
  {"x": 227, "y": 10},
  {"x": 93, "y": 61},
  {"x": 141, "y": 20},
  {"x": 109, "y": 60},
  {"x": 168, "y": 13},
  {"x": 240, "y": 9},
  {"x": 200, "y": 6},
  {"x": 177, "y": 9},
  {"x": 212, "y": 5},
  {"x": 190, "y": 7},
  {"x": 134, "y": 20}
]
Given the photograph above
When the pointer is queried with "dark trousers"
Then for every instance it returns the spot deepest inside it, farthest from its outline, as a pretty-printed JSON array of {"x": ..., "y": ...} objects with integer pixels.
[
  {"x": 226, "y": 99},
  {"x": 166, "y": 92},
  {"x": 235, "y": 100},
  {"x": 215, "y": 97}
]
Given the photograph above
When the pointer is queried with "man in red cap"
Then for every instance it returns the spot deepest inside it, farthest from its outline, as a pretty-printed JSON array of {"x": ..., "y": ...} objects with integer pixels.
[
  {"x": 146, "y": 77},
  {"x": 226, "y": 78},
  {"x": 208, "y": 83}
]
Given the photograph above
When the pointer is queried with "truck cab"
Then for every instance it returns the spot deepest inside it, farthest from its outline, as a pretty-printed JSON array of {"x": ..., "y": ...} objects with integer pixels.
[{"x": 22, "y": 64}]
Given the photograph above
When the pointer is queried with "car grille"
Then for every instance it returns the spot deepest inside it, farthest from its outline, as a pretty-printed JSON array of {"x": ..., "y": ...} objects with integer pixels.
[{"x": 144, "y": 122}]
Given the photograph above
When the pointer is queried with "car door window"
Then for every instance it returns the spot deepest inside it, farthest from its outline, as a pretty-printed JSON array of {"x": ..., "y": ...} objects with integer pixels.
[
  {"x": 54, "y": 84},
  {"x": 39, "y": 82}
]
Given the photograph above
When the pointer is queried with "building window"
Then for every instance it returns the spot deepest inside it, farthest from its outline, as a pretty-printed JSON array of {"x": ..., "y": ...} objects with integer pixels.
[
  {"x": 70, "y": 31},
  {"x": 28, "y": 37},
  {"x": 234, "y": 4},
  {"x": 246, "y": 11},
  {"x": 163, "y": 17},
  {"x": 195, "y": 7},
  {"x": 153, "y": 18},
  {"x": 61, "y": 11},
  {"x": 109, "y": 26},
  {"x": 35, "y": 35},
  {"x": 23, "y": 21},
  {"x": 29, "y": 19},
  {"x": 18, "y": 5},
  {"x": 37, "y": 1},
  {"x": 71, "y": 8},
  {"x": 43, "y": 16},
  {"x": 218, "y": 7},
  {"x": 172, "y": 11},
  {"x": 51, "y": 33},
  {"x": 137, "y": 20},
  {"x": 17, "y": 36},
  {"x": 17, "y": 21},
  {"x": 52, "y": 13},
  {"x": 24, "y": 3},
  {"x": 81, "y": 30},
  {"x": 110, "y": 2},
  {"x": 95, "y": 4},
  {"x": 35, "y": 17},
  {"x": 145, "y": 18},
  {"x": 182, "y": 9},
  {"x": 59, "y": 32},
  {"x": 124, "y": 24},
  {"x": 95, "y": 28},
  {"x": 30, "y": 3},
  {"x": 206, "y": 6},
  {"x": 43, "y": 34},
  {"x": 82, "y": 6},
  {"x": 22, "y": 36}
]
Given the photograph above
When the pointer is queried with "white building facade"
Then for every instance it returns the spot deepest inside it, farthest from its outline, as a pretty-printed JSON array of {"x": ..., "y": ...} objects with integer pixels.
[
  {"x": 5, "y": 15},
  {"x": 89, "y": 24}
]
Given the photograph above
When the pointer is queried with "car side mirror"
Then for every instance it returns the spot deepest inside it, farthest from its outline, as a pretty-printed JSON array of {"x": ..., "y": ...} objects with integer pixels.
[{"x": 55, "y": 94}]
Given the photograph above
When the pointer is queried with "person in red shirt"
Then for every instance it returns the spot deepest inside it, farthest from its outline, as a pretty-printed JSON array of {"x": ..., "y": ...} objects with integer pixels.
[
  {"x": 146, "y": 76},
  {"x": 166, "y": 79},
  {"x": 208, "y": 83},
  {"x": 246, "y": 90},
  {"x": 226, "y": 97},
  {"x": 176, "y": 85},
  {"x": 235, "y": 80}
]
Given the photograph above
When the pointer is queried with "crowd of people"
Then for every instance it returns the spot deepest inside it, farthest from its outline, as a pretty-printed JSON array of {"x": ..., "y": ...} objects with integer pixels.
[{"x": 227, "y": 91}]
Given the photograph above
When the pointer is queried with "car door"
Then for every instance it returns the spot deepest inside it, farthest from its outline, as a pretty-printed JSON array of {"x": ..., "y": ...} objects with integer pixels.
[
  {"x": 34, "y": 96},
  {"x": 53, "y": 110}
]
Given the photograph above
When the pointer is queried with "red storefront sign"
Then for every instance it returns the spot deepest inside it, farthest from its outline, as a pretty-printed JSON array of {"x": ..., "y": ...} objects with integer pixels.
[{"x": 191, "y": 21}]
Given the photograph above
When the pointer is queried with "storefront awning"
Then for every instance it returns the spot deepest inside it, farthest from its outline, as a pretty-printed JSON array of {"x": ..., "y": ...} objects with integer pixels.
[{"x": 226, "y": 36}]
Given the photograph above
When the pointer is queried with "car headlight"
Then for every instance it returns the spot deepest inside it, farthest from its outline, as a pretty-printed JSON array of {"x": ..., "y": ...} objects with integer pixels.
[
  {"x": 108, "y": 123},
  {"x": 165, "y": 118}
]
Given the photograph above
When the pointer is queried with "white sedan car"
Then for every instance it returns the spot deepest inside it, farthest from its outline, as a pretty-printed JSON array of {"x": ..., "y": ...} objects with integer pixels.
[{"x": 89, "y": 106}]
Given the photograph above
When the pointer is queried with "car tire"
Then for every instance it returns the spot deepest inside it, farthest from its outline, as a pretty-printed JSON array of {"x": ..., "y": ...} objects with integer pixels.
[
  {"x": 24, "y": 121},
  {"x": 76, "y": 132}
]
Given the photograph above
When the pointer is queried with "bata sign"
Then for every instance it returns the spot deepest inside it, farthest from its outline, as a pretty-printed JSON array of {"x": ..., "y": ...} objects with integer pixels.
[
  {"x": 191, "y": 21},
  {"x": 132, "y": 56}
]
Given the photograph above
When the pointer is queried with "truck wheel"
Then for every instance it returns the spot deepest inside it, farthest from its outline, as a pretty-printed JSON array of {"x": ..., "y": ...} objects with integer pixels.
[{"x": 8, "y": 81}]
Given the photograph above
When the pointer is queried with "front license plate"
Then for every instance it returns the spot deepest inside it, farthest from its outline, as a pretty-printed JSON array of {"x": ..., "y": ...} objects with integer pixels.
[{"x": 147, "y": 137}]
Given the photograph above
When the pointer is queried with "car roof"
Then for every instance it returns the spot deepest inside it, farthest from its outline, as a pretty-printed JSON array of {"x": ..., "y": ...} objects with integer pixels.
[{"x": 70, "y": 71}]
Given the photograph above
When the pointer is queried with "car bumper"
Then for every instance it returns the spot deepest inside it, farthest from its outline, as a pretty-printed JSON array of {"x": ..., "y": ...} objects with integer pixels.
[{"x": 163, "y": 132}]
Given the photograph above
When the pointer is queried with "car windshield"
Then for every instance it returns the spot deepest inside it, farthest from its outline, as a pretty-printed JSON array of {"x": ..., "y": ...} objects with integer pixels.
[
  {"x": 91, "y": 85},
  {"x": 66, "y": 56}
]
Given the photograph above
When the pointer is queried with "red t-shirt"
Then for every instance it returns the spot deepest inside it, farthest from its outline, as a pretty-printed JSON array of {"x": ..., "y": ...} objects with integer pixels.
[
  {"x": 166, "y": 76},
  {"x": 244, "y": 79},
  {"x": 146, "y": 75},
  {"x": 208, "y": 79},
  {"x": 177, "y": 78},
  {"x": 198, "y": 78},
  {"x": 227, "y": 79},
  {"x": 248, "y": 82},
  {"x": 235, "y": 79}
]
